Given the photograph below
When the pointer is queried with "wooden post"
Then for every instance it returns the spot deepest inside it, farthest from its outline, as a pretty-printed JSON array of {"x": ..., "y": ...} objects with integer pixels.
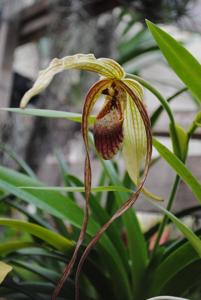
[{"x": 8, "y": 43}]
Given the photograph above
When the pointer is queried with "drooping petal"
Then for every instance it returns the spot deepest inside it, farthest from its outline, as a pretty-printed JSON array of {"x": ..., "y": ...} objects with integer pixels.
[
  {"x": 135, "y": 141},
  {"x": 135, "y": 144},
  {"x": 136, "y": 123},
  {"x": 142, "y": 111},
  {"x": 103, "y": 66},
  {"x": 91, "y": 98}
]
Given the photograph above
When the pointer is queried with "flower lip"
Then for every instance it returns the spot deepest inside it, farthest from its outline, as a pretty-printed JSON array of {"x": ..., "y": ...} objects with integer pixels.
[{"x": 108, "y": 129}]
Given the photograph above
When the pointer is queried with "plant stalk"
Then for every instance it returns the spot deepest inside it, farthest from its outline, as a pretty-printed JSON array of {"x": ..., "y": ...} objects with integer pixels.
[
  {"x": 165, "y": 218},
  {"x": 169, "y": 205}
]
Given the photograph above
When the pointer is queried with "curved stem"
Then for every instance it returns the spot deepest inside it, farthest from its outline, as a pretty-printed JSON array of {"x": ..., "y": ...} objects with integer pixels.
[
  {"x": 179, "y": 92},
  {"x": 156, "y": 114},
  {"x": 169, "y": 205},
  {"x": 155, "y": 92},
  {"x": 194, "y": 125}
]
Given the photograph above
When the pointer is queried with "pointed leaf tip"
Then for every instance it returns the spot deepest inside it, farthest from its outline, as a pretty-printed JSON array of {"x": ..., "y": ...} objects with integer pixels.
[
  {"x": 4, "y": 270},
  {"x": 184, "y": 64}
]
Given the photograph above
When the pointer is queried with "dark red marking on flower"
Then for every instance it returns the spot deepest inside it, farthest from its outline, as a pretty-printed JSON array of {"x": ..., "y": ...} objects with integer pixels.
[{"x": 108, "y": 128}]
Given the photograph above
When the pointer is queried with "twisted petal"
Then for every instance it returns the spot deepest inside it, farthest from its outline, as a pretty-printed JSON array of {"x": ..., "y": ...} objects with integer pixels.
[
  {"x": 135, "y": 140},
  {"x": 127, "y": 87},
  {"x": 103, "y": 66},
  {"x": 91, "y": 99}
]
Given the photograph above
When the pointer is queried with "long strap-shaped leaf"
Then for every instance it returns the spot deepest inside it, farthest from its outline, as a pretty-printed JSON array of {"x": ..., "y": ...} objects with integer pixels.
[
  {"x": 179, "y": 167},
  {"x": 52, "y": 238},
  {"x": 180, "y": 59},
  {"x": 47, "y": 113},
  {"x": 187, "y": 232}
]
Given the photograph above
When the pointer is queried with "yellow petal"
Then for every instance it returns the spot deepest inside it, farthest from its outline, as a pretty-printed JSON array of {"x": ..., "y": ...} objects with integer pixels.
[
  {"x": 4, "y": 270},
  {"x": 135, "y": 140},
  {"x": 103, "y": 66},
  {"x": 135, "y": 87},
  {"x": 135, "y": 145}
]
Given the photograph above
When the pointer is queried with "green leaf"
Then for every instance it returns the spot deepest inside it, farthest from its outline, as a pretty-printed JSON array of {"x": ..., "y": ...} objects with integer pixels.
[
  {"x": 18, "y": 160},
  {"x": 45, "y": 273},
  {"x": 187, "y": 232},
  {"x": 181, "y": 60},
  {"x": 97, "y": 189},
  {"x": 172, "y": 265},
  {"x": 4, "y": 270},
  {"x": 139, "y": 44},
  {"x": 185, "y": 281},
  {"x": 12, "y": 246},
  {"x": 46, "y": 113},
  {"x": 52, "y": 238},
  {"x": 178, "y": 166},
  {"x": 34, "y": 218}
]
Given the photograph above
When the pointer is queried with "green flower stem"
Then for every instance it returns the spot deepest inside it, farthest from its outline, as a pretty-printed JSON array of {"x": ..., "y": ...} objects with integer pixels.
[
  {"x": 159, "y": 110},
  {"x": 155, "y": 92},
  {"x": 194, "y": 125},
  {"x": 165, "y": 218},
  {"x": 179, "y": 92},
  {"x": 165, "y": 104},
  {"x": 169, "y": 205}
]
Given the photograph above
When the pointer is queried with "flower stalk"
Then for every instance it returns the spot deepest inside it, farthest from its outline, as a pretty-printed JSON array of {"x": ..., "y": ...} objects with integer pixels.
[{"x": 122, "y": 122}]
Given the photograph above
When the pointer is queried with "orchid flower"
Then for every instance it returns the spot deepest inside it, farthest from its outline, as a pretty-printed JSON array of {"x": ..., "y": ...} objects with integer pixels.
[{"x": 121, "y": 123}]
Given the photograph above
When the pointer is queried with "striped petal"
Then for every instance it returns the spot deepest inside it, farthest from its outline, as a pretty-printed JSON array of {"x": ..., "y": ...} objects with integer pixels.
[
  {"x": 135, "y": 139},
  {"x": 103, "y": 66}
]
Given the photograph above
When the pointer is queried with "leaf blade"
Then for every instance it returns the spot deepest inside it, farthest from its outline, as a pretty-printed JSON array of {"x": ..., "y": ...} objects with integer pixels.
[
  {"x": 179, "y": 168},
  {"x": 46, "y": 235},
  {"x": 187, "y": 232},
  {"x": 180, "y": 59},
  {"x": 96, "y": 189},
  {"x": 47, "y": 113}
]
